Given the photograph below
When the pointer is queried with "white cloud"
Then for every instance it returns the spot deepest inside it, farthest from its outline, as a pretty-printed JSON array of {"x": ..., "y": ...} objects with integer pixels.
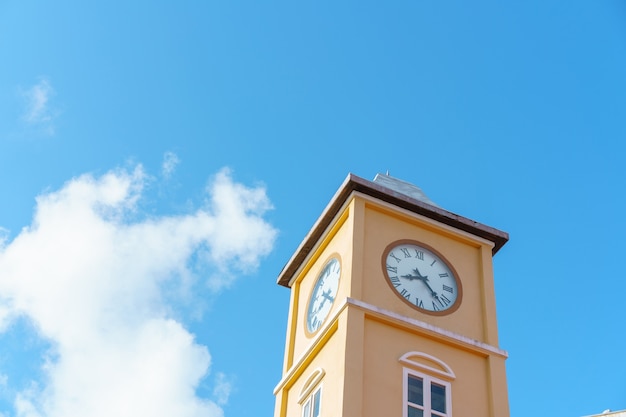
[
  {"x": 222, "y": 389},
  {"x": 170, "y": 161},
  {"x": 91, "y": 282},
  {"x": 37, "y": 105},
  {"x": 240, "y": 233},
  {"x": 4, "y": 236}
]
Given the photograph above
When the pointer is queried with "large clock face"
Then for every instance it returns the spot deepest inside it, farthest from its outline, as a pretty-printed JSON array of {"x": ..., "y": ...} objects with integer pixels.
[
  {"x": 421, "y": 277},
  {"x": 323, "y": 295}
]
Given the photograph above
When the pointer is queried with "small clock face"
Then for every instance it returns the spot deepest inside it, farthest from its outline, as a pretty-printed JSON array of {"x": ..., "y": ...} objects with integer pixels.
[
  {"x": 323, "y": 295},
  {"x": 422, "y": 278}
]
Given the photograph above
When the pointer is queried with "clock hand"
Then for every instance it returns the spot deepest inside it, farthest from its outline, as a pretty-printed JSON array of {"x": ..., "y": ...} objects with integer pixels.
[
  {"x": 424, "y": 279},
  {"x": 418, "y": 276},
  {"x": 411, "y": 277},
  {"x": 321, "y": 305},
  {"x": 326, "y": 295}
]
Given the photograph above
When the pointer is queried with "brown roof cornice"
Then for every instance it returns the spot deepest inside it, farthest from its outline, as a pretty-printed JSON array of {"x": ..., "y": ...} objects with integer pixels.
[{"x": 370, "y": 188}]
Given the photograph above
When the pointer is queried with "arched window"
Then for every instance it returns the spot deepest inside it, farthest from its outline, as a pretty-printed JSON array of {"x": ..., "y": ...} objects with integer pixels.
[
  {"x": 427, "y": 386},
  {"x": 311, "y": 394}
]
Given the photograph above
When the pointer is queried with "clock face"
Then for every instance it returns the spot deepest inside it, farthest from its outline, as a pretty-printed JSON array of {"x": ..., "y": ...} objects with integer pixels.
[
  {"x": 422, "y": 278},
  {"x": 323, "y": 295}
]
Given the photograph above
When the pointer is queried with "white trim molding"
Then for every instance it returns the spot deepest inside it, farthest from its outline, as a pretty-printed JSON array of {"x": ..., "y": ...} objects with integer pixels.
[
  {"x": 408, "y": 322},
  {"x": 411, "y": 359},
  {"x": 310, "y": 384}
]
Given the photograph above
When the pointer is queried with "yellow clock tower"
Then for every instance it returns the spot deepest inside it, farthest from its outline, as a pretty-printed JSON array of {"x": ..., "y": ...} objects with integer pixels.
[{"x": 392, "y": 310}]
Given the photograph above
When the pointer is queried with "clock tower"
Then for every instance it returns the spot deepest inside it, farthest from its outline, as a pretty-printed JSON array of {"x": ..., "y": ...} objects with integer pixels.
[{"x": 392, "y": 310}]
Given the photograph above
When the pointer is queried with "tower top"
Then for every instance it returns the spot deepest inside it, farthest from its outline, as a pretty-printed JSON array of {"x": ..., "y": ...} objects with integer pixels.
[
  {"x": 394, "y": 191},
  {"x": 403, "y": 187}
]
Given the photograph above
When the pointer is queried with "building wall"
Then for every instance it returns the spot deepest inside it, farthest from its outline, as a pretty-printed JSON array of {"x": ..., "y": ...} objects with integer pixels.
[
  {"x": 383, "y": 381},
  {"x": 469, "y": 256},
  {"x": 338, "y": 242},
  {"x": 358, "y": 349},
  {"x": 330, "y": 361}
]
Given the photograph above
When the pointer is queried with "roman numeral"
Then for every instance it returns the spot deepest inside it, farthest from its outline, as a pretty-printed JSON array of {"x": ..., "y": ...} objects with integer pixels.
[
  {"x": 445, "y": 274},
  {"x": 395, "y": 281},
  {"x": 434, "y": 262},
  {"x": 419, "y": 254},
  {"x": 395, "y": 257},
  {"x": 445, "y": 299},
  {"x": 449, "y": 289},
  {"x": 405, "y": 294},
  {"x": 315, "y": 324},
  {"x": 435, "y": 307},
  {"x": 393, "y": 269},
  {"x": 406, "y": 252},
  {"x": 419, "y": 302}
]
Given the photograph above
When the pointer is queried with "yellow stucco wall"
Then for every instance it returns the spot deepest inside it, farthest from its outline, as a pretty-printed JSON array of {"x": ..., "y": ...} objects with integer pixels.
[
  {"x": 464, "y": 254},
  {"x": 331, "y": 362},
  {"x": 338, "y": 243},
  {"x": 383, "y": 382},
  {"x": 359, "y": 350}
]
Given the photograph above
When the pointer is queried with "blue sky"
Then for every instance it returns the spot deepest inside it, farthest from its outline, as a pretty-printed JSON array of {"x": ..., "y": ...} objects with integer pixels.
[{"x": 129, "y": 131}]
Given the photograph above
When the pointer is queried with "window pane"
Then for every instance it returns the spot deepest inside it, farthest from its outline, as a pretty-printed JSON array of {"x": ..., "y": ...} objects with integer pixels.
[
  {"x": 316, "y": 403},
  {"x": 414, "y": 412},
  {"x": 438, "y": 397},
  {"x": 416, "y": 390},
  {"x": 305, "y": 410}
]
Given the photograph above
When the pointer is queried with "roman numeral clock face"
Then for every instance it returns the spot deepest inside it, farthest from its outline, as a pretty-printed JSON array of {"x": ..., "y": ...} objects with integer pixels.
[
  {"x": 323, "y": 295},
  {"x": 421, "y": 278}
]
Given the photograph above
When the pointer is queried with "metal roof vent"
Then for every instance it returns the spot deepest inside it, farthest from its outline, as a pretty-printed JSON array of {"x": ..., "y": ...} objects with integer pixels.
[{"x": 403, "y": 187}]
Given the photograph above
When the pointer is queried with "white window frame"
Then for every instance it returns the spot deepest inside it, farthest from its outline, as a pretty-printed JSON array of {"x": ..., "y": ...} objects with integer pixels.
[
  {"x": 311, "y": 387},
  {"x": 427, "y": 381},
  {"x": 309, "y": 404},
  {"x": 441, "y": 375}
]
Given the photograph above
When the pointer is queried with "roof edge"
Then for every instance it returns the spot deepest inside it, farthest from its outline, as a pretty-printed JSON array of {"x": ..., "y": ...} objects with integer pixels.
[{"x": 355, "y": 183}]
